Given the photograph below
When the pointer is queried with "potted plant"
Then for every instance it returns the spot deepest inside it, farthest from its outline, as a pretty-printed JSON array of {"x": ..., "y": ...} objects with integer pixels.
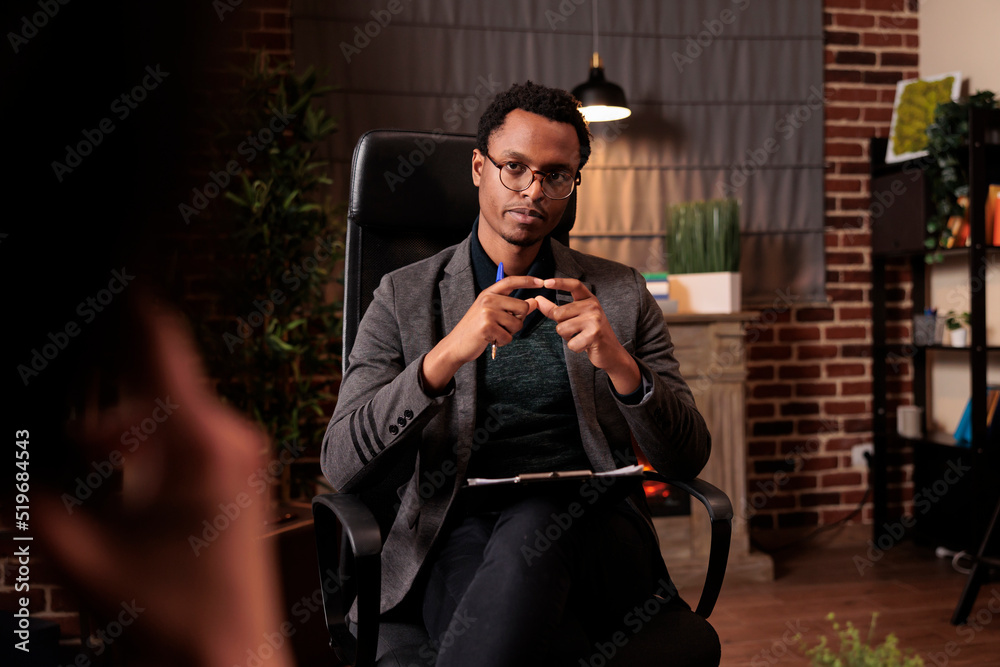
[
  {"x": 272, "y": 345},
  {"x": 947, "y": 172},
  {"x": 703, "y": 255},
  {"x": 957, "y": 324},
  {"x": 852, "y": 651}
]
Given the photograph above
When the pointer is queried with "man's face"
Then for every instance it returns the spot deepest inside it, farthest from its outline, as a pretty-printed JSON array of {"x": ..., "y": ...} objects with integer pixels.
[{"x": 523, "y": 218}]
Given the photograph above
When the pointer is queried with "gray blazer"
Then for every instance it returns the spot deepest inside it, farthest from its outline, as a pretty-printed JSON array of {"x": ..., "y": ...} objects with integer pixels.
[{"x": 382, "y": 406}]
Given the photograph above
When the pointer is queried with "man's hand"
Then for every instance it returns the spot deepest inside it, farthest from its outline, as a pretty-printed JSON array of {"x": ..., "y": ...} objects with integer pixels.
[
  {"x": 585, "y": 328},
  {"x": 494, "y": 318}
]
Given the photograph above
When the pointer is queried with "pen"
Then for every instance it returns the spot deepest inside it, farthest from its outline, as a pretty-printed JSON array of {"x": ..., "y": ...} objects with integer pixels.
[{"x": 493, "y": 353}]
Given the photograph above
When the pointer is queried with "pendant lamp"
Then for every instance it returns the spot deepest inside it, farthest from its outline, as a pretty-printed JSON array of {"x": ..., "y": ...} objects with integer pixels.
[{"x": 600, "y": 100}]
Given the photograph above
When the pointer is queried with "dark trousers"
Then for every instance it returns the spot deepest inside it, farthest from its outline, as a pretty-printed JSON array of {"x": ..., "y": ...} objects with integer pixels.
[{"x": 543, "y": 578}]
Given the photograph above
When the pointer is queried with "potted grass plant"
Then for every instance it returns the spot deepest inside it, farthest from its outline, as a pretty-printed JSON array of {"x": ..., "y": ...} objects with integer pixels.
[{"x": 703, "y": 255}]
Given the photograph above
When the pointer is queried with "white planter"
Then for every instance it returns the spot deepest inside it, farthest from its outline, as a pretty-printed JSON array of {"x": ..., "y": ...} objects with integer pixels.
[
  {"x": 706, "y": 292},
  {"x": 959, "y": 337}
]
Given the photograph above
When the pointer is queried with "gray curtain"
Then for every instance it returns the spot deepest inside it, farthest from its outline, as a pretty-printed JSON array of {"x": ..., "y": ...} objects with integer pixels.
[{"x": 726, "y": 98}]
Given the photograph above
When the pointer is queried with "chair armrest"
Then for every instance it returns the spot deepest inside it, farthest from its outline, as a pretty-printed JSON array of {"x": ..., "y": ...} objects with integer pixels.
[
  {"x": 349, "y": 549},
  {"x": 720, "y": 513}
]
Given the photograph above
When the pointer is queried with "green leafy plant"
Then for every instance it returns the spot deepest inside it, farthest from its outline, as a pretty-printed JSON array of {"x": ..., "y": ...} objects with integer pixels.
[
  {"x": 947, "y": 173},
  {"x": 704, "y": 236},
  {"x": 955, "y": 320},
  {"x": 276, "y": 355},
  {"x": 852, "y": 651}
]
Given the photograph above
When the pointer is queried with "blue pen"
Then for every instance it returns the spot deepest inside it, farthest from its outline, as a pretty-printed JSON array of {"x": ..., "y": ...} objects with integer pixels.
[{"x": 493, "y": 354}]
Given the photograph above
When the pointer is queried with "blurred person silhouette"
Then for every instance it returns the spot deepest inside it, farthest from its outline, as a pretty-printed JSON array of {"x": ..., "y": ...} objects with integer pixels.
[{"x": 99, "y": 115}]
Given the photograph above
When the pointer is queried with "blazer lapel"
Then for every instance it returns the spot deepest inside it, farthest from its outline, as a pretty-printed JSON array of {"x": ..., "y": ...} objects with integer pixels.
[
  {"x": 458, "y": 292},
  {"x": 582, "y": 373}
]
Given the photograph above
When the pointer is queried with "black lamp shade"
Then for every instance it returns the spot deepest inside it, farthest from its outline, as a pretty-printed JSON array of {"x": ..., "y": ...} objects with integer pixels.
[{"x": 599, "y": 92}]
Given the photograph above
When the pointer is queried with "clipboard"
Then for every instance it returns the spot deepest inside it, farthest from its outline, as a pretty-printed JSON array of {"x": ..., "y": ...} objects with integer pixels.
[{"x": 586, "y": 487}]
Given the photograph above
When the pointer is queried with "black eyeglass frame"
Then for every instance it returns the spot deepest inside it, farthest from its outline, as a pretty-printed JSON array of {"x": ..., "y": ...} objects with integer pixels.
[{"x": 534, "y": 173}]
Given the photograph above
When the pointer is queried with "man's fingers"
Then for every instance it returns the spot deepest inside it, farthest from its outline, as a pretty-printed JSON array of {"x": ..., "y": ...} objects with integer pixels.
[
  {"x": 571, "y": 285},
  {"x": 511, "y": 283},
  {"x": 545, "y": 306}
]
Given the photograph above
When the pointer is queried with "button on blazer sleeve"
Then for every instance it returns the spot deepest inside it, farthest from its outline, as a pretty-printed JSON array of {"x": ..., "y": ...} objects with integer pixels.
[{"x": 380, "y": 403}]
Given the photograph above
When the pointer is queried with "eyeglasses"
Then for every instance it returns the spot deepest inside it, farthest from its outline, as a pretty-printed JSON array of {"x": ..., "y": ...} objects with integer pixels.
[{"x": 518, "y": 177}]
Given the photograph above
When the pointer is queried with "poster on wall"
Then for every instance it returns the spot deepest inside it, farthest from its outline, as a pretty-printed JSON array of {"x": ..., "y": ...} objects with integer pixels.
[{"x": 913, "y": 110}]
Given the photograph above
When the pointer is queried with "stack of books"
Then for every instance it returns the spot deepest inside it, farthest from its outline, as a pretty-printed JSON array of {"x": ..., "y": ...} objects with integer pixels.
[{"x": 659, "y": 287}]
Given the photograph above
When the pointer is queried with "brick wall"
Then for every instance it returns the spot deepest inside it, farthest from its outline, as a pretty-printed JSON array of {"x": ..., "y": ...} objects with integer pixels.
[{"x": 810, "y": 373}]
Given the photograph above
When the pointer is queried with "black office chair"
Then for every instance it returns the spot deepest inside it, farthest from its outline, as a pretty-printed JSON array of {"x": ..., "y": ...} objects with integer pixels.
[{"x": 411, "y": 196}]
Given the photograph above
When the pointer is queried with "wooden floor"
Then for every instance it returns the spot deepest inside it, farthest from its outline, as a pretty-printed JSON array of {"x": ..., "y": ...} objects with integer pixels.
[{"x": 914, "y": 593}]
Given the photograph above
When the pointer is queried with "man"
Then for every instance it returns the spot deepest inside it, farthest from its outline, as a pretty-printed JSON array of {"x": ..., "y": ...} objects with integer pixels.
[{"x": 583, "y": 362}]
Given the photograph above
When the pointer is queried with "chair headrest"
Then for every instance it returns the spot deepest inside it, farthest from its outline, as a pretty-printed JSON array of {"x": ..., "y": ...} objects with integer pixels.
[{"x": 413, "y": 180}]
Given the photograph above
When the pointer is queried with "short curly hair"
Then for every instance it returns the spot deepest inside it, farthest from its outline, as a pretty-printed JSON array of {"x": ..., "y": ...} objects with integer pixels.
[{"x": 552, "y": 103}]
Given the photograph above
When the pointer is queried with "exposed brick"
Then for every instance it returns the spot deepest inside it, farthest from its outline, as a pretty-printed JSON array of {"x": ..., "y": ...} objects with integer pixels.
[
  {"x": 844, "y": 258},
  {"x": 877, "y": 114},
  {"x": 899, "y": 59},
  {"x": 852, "y": 94},
  {"x": 885, "y": 5},
  {"x": 845, "y": 370},
  {"x": 792, "y": 334},
  {"x": 882, "y": 39},
  {"x": 62, "y": 599},
  {"x": 816, "y": 426},
  {"x": 805, "y": 352},
  {"x": 760, "y": 410},
  {"x": 852, "y": 350},
  {"x": 842, "y": 113},
  {"x": 799, "y": 372},
  {"x": 843, "y": 184},
  {"x": 845, "y": 332},
  {"x": 841, "y": 479},
  {"x": 842, "y": 76},
  {"x": 855, "y": 388},
  {"x": 834, "y": 149},
  {"x": 843, "y": 443},
  {"x": 881, "y": 77},
  {"x": 853, "y": 20},
  {"x": 848, "y": 408},
  {"x": 814, "y": 314},
  {"x": 854, "y": 168},
  {"x": 755, "y": 373},
  {"x": 275, "y": 21},
  {"x": 765, "y": 448},
  {"x": 820, "y": 463},
  {"x": 845, "y": 294},
  {"x": 845, "y": 38},
  {"x": 798, "y": 409},
  {"x": 897, "y": 23},
  {"x": 816, "y": 389},
  {"x": 841, "y": 4},
  {"x": 844, "y": 221},
  {"x": 830, "y": 516},
  {"x": 855, "y": 58},
  {"x": 856, "y": 276},
  {"x": 778, "y": 352},
  {"x": 771, "y": 391},
  {"x": 816, "y": 499},
  {"x": 857, "y": 425}
]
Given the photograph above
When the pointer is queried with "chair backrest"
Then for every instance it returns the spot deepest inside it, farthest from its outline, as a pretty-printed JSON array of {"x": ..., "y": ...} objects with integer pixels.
[{"x": 411, "y": 196}]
